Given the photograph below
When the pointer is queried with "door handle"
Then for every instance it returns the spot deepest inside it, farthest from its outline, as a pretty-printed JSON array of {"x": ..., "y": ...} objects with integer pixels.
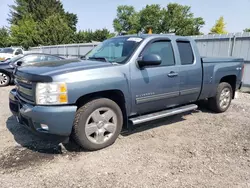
[{"x": 172, "y": 74}]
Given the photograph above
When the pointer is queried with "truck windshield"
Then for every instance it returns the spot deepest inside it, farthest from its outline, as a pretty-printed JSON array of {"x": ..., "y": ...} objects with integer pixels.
[{"x": 115, "y": 50}]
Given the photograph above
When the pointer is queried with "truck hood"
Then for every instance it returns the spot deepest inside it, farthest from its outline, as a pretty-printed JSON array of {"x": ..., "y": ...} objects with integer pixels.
[{"x": 43, "y": 71}]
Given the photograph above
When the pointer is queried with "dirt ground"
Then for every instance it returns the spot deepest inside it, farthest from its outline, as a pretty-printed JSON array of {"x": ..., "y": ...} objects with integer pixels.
[{"x": 198, "y": 149}]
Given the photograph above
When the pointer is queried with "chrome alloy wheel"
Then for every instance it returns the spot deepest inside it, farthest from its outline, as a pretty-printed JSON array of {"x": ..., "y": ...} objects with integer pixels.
[
  {"x": 225, "y": 98},
  {"x": 101, "y": 125}
]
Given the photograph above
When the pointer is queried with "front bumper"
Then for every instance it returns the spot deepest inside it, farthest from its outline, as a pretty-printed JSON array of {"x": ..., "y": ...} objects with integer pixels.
[{"x": 58, "y": 120}]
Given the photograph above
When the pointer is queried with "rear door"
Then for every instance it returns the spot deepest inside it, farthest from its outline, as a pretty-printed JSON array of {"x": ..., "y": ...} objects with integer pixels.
[{"x": 190, "y": 71}]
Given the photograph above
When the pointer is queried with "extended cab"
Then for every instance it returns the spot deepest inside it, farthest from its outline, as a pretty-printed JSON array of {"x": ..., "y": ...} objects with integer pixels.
[{"x": 125, "y": 79}]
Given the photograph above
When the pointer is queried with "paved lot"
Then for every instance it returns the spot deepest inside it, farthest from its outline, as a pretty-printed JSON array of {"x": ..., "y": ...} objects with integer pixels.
[{"x": 199, "y": 149}]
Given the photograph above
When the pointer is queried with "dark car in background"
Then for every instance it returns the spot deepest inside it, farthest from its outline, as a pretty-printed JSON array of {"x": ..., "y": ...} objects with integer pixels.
[{"x": 7, "y": 67}]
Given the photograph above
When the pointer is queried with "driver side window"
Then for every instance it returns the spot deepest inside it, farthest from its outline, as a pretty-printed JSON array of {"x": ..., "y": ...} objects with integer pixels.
[{"x": 164, "y": 49}]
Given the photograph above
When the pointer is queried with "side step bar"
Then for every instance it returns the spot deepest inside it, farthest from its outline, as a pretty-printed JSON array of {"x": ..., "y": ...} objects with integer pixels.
[{"x": 162, "y": 114}]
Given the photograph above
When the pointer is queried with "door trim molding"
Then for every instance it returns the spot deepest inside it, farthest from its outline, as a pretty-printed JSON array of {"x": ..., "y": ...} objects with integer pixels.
[
  {"x": 152, "y": 98},
  {"x": 189, "y": 91},
  {"x": 157, "y": 97}
]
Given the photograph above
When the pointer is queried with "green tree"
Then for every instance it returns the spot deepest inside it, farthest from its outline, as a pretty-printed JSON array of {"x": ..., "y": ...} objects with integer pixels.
[
  {"x": 41, "y": 22},
  {"x": 151, "y": 16},
  {"x": 72, "y": 20},
  {"x": 54, "y": 30},
  {"x": 101, "y": 35},
  {"x": 127, "y": 19},
  {"x": 219, "y": 27},
  {"x": 82, "y": 37},
  {"x": 180, "y": 20},
  {"x": 89, "y": 36},
  {"x": 247, "y": 30},
  {"x": 175, "y": 18},
  {"x": 25, "y": 33},
  {"x": 4, "y": 37},
  {"x": 39, "y": 10}
]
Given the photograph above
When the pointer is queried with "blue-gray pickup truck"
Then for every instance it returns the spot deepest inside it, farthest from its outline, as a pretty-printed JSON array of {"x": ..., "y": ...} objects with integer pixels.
[{"x": 125, "y": 80}]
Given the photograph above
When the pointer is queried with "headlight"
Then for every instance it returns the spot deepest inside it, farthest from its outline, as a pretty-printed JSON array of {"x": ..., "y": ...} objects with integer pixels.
[{"x": 51, "y": 93}]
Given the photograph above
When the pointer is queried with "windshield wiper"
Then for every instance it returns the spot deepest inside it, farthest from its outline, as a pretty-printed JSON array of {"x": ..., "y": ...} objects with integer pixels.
[{"x": 99, "y": 59}]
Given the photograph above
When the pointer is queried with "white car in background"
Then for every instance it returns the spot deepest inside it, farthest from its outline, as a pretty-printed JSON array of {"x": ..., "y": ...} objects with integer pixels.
[{"x": 8, "y": 53}]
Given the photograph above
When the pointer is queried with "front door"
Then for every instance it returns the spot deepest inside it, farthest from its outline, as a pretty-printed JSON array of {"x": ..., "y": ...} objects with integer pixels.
[{"x": 155, "y": 87}]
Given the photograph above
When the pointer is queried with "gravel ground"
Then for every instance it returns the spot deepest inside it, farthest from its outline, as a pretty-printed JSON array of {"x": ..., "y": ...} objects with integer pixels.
[{"x": 198, "y": 149}]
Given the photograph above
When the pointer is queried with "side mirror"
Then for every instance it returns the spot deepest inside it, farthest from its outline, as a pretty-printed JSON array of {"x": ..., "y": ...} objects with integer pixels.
[
  {"x": 149, "y": 60},
  {"x": 19, "y": 63}
]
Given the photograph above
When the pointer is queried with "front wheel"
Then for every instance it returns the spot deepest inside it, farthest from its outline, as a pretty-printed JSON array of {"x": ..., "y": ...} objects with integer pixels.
[
  {"x": 4, "y": 79},
  {"x": 222, "y": 100},
  {"x": 97, "y": 124}
]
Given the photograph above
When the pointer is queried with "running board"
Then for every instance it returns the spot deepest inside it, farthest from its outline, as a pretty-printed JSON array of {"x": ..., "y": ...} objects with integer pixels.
[{"x": 162, "y": 114}]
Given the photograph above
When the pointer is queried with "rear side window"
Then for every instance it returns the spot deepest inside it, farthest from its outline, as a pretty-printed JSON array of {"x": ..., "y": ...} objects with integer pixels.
[
  {"x": 186, "y": 52},
  {"x": 164, "y": 50}
]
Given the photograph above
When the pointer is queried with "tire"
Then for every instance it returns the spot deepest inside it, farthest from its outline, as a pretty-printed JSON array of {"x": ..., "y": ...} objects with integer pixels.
[
  {"x": 4, "y": 79},
  {"x": 101, "y": 116},
  {"x": 216, "y": 103}
]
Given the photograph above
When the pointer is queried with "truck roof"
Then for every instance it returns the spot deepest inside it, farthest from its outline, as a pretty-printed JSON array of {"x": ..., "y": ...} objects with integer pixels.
[{"x": 144, "y": 36}]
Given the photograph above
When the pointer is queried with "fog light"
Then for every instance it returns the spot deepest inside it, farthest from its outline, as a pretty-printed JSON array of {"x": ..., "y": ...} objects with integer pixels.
[{"x": 44, "y": 127}]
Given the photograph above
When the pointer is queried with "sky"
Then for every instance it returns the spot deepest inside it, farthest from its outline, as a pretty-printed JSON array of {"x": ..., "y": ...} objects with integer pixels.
[{"x": 98, "y": 14}]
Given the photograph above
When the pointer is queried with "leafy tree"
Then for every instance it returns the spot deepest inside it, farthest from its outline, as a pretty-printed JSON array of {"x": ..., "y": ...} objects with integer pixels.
[
  {"x": 54, "y": 30},
  {"x": 39, "y": 10},
  {"x": 174, "y": 18},
  {"x": 151, "y": 16},
  {"x": 4, "y": 37},
  {"x": 101, "y": 35},
  {"x": 219, "y": 27},
  {"x": 72, "y": 20},
  {"x": 247, "y": 30},
  {"x": 84, "y": 36},
  {"x": 25, "y": 33},
  {"x": 89, "y": 36},
  {"x": 41, "y": 22},
  {"x": 180, "y": 20},
  {"x": 127, "y": 19}
]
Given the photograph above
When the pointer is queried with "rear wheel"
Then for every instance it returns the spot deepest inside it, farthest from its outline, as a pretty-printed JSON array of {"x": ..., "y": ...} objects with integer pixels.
[
  {"x": 97, "y": 124},
  {"x": 4, "y": 79},
  {"x": 222, "y": 100}
]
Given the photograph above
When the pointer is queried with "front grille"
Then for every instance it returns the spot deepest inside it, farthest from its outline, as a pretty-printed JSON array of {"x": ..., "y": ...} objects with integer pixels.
[{"x": 25, "y": 90}]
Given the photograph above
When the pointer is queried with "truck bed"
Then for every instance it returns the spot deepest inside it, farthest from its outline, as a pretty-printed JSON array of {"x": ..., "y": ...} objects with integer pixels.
[
  {"x": 215, "y": 68},
  {"x": 221, "y": 59}
]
